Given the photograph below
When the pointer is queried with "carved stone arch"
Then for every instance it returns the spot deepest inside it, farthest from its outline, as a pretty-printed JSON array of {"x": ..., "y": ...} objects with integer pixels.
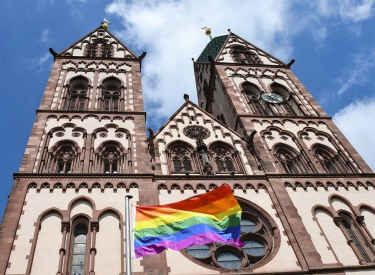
[
  {"x": 340, "y": 184},
  {"x": 111, "y": 125},
  {"x": 51, "y": 117},
  {"x": 57, "y": 129},
  {"x": 280, "y": 131},
  {"x": 63, "y": 117},
  {"x": 89, "y": 116},
  {"x": 175, "y": 187},
  {"x": 225, "y": 158},
  {"x": 133, "y": 185},
  {"x": 181, "y": 157},
  {"x": 108, "y": 185},
  {"x": 121, "y": 185},
  {"x": 331, "y": 184},
  {"x": 105, "y": 118},
  {"x": 249, "y": 186},
  {"x": 112, "y": 79},
  {"x": 237, "y": 186},
  {"x": 329, "y": 159},
  {"x": 188, "y": 187},
  {"x": 32, "y": 185},
  {"x": 310, "y": 184},
  {"x": 279, "y": 89},
  {"x": 200, "y": 186},
  {"x": 95, "y": 185},
  {"x": 329, "y": 210},
  {"x": 289, "y": 120},
  {"x": 80, "y": 129},
  {"x": 81, "y": 198},
  {"x": 73, "y": 80},
  {"x": 102, "y": 145},
  {"x": 361, "y": 184},
  {"x": 113, "y": 211},
  {"x": 299, "y": 184},
  {"x": 367, "y": 207},
  {"x": 307, "y": 129},
  {"x": 369, "y": 183},
  {"x": 69, "y": 142},
  {"x": 162, "y": 187},
  {"x": 345, "y": 201},
  {"x": 320, "y": 184},
  {"x": 212, "y": 186},
  {"x": 251, "y": 89},
  {"x": 58, "y": 185},
  {"x": 352, "y": 184},
  {"x": 70, "y": 185}
]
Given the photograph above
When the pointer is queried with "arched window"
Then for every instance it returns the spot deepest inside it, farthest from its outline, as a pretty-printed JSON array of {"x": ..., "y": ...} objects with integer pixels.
[
  {"x": 181, "y": 159},
  {"x": 291, "y": 162},
  {"x": 77, "y": 94},
  {"x": 79, "y": 249},
  {"x": 288, "y": 106},
  {"x": 111, "y": 94},
  {"x": 243, "y": 55},
  {"x": 91, "y": 50},
  {"x": 329, "y": 161},
  {"x": 356, "y": 239},
  {"x": 252, "y": 95},
  {"x": 106, "y": 51},
  {"x": 64, "y": 156},
  {"x": 260, "y": 236},
  {"x": 225, "y": 159},
  {"x": 111, "y": 158}
]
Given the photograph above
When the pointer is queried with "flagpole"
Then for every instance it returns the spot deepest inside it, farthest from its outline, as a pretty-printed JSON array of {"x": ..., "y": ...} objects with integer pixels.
[{"x": 127, "y": 233}]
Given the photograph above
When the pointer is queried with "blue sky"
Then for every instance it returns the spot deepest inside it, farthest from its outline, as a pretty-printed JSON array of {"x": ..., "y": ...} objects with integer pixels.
[{"x": 332, "y": 41}]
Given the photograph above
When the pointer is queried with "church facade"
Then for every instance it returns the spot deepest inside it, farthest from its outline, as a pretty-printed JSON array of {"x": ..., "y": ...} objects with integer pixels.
[{"x": 306, "y": 194}]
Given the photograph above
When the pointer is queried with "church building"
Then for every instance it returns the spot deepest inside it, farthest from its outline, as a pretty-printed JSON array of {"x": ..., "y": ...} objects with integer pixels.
[{"x": 307, "y": 196}]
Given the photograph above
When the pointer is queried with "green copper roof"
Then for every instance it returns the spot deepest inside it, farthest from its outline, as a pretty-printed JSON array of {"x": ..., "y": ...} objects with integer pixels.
[{"x": 212, "y": 48}]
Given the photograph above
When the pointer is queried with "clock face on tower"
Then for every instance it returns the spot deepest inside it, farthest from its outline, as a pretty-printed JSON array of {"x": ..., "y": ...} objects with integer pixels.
[{"x": 272, "y": 98}]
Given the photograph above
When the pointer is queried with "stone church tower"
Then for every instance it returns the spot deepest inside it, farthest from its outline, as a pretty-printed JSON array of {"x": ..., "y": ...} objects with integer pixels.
[{"x": 306, "y": 194}]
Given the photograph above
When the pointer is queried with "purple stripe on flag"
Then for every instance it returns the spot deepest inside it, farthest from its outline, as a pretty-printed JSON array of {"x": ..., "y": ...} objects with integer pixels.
[{"x": 198, "y": 239}]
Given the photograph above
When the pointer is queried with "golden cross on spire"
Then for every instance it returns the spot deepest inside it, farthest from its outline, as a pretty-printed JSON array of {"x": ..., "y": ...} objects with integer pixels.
[{"x": 207, "y": 31}]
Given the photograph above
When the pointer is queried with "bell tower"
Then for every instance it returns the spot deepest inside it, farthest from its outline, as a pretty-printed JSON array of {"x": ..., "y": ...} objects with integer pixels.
[{"x": 86, "y": 146}]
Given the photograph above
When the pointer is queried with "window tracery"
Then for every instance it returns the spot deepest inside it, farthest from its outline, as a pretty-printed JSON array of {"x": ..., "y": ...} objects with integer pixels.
[
  {"x": 62, "y": 157},
  {"x": 106, "y": 51},
  {"x": 252, "y": 94},
  {"x": 181, "y": 159},
  {"x": 244, "y": 56},
  {"x": 79, "y": 249},
  {"x": 111, "y": 158},
  {"x": 91, "y": 50},
  {"x": 289, "y": 106},
  {"x": 291, "y": 162},
  {"x": 76, "y": 96},
  {"x": 225, "y": 160},
  {"x": 329, "y": 161},
  {"x": 111, "y": 95},
  {"x": 261, "y": 240}
]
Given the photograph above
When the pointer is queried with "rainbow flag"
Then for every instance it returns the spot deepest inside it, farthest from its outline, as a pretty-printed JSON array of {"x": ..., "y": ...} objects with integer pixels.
[{"x": 211, "y": 217}]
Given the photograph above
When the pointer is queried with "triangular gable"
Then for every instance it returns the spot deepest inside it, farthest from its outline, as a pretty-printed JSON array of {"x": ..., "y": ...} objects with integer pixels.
[
  {"x": 99, "y": 36},
  {"x": 184, "y": 117},
  {"x": 220, "y": 49}
]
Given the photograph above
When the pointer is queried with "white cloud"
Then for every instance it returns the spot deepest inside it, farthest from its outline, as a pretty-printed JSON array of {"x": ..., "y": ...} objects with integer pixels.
[
  {"x": 347, "y": 10},
  {"x": 39, "y": 62},
  {"x": 358, "y": 72},
  {"x": 356, "y": 122},
  {"x": 44, "y": 38},
  {"x": 171, "y": 34}
]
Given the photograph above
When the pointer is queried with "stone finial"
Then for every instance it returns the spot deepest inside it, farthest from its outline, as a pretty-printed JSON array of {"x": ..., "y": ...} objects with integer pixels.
[{"x": 186, "y": 97}]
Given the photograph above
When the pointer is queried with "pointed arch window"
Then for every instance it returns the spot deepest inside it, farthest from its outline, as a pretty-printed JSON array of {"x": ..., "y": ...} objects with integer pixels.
[
  {"x": 79, "y": 249},
  {"x": 244, "y": 56},
  {"x": 181, "y": 159},
  {"x": 291, "y": 162},
  {"x": 226, "y": 160},
  {"x": 330, "y": 162}
]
